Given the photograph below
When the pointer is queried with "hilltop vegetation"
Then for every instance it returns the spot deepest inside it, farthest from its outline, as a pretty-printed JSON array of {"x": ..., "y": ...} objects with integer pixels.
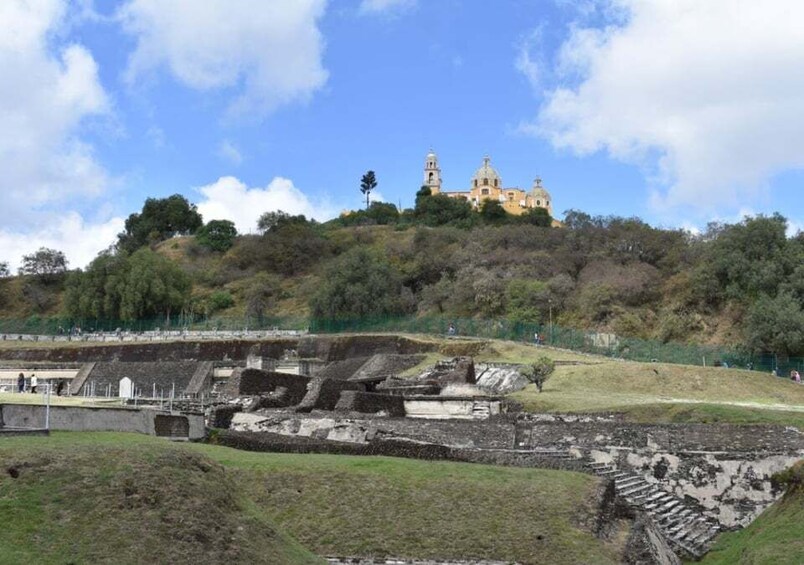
[{"x": 740, "y": 284}]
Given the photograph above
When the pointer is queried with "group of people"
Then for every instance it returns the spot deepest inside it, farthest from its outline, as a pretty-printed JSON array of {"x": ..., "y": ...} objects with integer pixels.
[{"x": 34, "y": 384}]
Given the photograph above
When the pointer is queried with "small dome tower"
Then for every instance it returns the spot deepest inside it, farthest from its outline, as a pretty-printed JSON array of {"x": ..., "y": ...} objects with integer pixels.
[
  {"x": 432, "y": 174},
  {"x": 486, "y": 176},
  {"x": 540, "y": 197}
]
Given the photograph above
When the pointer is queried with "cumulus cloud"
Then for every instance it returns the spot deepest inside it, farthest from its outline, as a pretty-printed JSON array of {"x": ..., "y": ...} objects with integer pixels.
[
  {"x": 228, "y": 198},
  {"x": 79, "y": 240},
  {"x": 47, "y": 93},
  {"x": 269, "y": 52},
  {"x": 385, "y": 6},
  {"x": 706, "y": 96}
]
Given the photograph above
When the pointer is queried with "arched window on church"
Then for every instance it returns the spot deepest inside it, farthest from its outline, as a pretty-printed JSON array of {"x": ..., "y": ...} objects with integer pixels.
[
  {"x": 538, "y": 203},
  {"x": 431, "y": 178},
  {"x": 495, "y": 182},
  {"x": 485, "y": 182},
  {"x": 475, "y": 183},
  {"x": 485, "y": 192}
]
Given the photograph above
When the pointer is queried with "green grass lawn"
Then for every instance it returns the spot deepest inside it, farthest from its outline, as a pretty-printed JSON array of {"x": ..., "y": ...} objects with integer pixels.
[
  {"x": 642, "y": 388},
  {"x": 109, "y": 497}
]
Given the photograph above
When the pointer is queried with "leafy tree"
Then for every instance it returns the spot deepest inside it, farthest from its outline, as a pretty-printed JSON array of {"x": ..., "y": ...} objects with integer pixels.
[
  {"x": 160, "y": 219},
  {"x": 5, "y": 272},
  {"x": 218, "y": 235},
  {"x": 440, "y": 209},
  {"x": 536, "y": 217},
  {"x": 368, "y": 183},
  {"x": 378, "y": 213},
  {"x": 45, "y": 264},
  {"x": 776, "y": 324},
  {"x": 96, "y": 292},
  {"x": 261, "y": 296},
  {"x": 492, "y": 212},
  {"x": 153, "y": 286},
  {"x": 272, "y": 221},
  {"x": 359, "y": 283},
  {"x": 527, "y": 300},
  {"x": 539, "y": 371},
  {"x": 219, "y": 300}
]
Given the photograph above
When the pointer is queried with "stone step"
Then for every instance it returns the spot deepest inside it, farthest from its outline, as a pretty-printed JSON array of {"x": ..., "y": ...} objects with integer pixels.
[
  {"x": 635, "y": 488},
  {"x": 624, "y": 483},
  {"x": 673, "y": 518},
  {"x": 658, "y": 502},
  {"x": 672, "y": 504},
  {"x": 606, "y": 473}
]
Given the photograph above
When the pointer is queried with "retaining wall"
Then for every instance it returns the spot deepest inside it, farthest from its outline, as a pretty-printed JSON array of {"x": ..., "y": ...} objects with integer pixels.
[{"x": 87, "y": 419}]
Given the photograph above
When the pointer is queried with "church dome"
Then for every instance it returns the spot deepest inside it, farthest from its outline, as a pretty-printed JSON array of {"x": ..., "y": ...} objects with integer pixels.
[
  {"x": 540, "y": 194},
  {"x": 486, "y": 175}
]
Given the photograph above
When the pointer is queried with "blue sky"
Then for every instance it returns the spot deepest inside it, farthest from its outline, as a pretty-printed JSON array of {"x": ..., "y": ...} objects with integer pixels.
[{"x": 676, "y": 111}]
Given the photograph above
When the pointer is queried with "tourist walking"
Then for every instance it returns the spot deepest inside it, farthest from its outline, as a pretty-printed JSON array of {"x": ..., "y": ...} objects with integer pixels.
[
  {"x": 21, "y": 383},
  {"x": 34, "y": 382}
]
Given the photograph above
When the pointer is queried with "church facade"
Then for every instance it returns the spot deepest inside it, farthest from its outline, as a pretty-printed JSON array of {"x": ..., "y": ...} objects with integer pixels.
[{"x": 486, "y": 184}]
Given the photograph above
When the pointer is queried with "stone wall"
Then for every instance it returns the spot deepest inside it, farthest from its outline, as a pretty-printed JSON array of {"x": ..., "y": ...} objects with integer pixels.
[
  {"x": 84, "y": 419},
  {"x": 256, "y": 382},
  {"x": 726, "y": 468},
  {"x": 161, "y": 376},
  {"x": 370, "y": 403}
]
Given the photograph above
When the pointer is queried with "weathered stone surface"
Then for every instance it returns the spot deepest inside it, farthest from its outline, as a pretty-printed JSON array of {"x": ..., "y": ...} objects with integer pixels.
[
  {"x": 323, "y": 393},
  {"x": 500, "y": 379},
  {"x": 370, "y": 403}
]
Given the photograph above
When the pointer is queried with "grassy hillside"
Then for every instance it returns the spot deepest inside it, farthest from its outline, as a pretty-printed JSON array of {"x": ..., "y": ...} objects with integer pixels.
[
  {"x": 128, "y": 499},
  {"x": 95, "y": 497},
  {"x": 775, "y": 538},
  {"x": 659, "y": 388}
]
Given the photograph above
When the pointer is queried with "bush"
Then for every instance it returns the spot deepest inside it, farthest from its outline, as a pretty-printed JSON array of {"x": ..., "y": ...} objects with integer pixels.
[
  {"x": 219, "y": 300},
  {"x": 539, "y": 371}
]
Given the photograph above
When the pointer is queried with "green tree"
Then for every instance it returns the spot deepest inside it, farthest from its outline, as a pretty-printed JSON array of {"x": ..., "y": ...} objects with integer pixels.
[
  {"x": 45, "y": 264},
  {"x": 360, "y": 283},
  {"x": 539, "y": 371},
  {"x": 536, "y": 217},
  {"x": 492, "y": 212},
  {"x": 218, "y": 235},
  {"x": 261, "y": 296},
  {"x": 368, "y": 183},
  {"x": 276, "y": 220},
  {"x": 153, "y": 286},
  {"x": 160, "y": 219},
  {"x": 527, "y": 300},
  {"x": 219, "y": 300},
  {"x": 5, "y": 272},
  {"x": 96, "y": 292},
  {"x": 440, "y": 209},
  {"x": 776, "y": 325}
]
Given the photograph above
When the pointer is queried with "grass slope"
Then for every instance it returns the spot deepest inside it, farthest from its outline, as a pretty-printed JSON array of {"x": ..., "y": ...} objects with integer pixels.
[
  {"x": 623, "y": 385},
  {"x": 774, "y": 538},
  {"x": 128, "y": 499},
  {"x": 71, "y": 504}
]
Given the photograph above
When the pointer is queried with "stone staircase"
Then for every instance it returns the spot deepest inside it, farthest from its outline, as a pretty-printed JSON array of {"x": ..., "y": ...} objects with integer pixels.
[{"x": 686, "y": 529}]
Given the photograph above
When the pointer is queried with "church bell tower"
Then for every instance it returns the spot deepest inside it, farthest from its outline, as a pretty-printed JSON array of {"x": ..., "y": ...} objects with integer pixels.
[{"x": 432, "y": 174}]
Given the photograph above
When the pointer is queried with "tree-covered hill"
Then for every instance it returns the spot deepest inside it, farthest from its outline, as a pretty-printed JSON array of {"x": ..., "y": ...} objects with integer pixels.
[{"x": 738, "y": 285}]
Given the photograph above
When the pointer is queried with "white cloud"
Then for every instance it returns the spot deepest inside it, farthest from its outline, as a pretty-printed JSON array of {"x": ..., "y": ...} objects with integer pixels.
[
  {"x": 47, "y": 92},
  {"x": 227, "y": 150},
  {"x": 385, "y": 6},
  {"x": 527, "y": 60},
  {"x": 80, "y": 241},
  {"x": 705, "y": 95},
  {"x": 228, "y": 198},
  {"x": 270, "y": 52}
]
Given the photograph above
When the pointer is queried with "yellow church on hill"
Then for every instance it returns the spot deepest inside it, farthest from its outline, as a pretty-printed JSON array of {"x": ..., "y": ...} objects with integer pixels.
[{"x": 486, "y": 184}]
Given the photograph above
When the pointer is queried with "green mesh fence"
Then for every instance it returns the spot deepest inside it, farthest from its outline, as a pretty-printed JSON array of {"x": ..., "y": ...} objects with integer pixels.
[{"x": 577, "y": 340}]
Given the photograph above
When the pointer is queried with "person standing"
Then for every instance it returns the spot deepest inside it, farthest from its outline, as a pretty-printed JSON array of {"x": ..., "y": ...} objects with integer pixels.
[
  {"x": 21, "y": 383},
  {"x": 34, "y": 382}
]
